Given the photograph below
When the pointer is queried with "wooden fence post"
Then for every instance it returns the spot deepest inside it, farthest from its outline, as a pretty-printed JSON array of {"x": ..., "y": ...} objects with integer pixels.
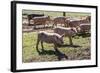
[{"x": 64, "y": 14}]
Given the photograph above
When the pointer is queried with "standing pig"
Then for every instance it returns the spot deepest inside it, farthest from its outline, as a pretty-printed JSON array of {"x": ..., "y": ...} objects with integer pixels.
[
  {"x": 69, "y": 32},
  {"x": 84, "y": 28},
  {"x": 51, "y": 38}
]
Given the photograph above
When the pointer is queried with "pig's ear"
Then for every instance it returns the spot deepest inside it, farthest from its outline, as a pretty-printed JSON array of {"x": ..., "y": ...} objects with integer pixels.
[
  {"x": 78, "y": 29},
  {"x": 62, "y": 35},
  {"x": 72, "y": 28}
]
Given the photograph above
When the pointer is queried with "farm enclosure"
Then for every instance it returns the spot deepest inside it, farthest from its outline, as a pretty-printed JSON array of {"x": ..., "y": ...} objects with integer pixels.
[{"x": 81, "y": 49}]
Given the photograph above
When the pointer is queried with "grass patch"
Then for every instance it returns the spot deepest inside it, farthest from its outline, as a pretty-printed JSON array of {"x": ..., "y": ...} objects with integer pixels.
[
  {"x": 53, "y": 14},
  {"x": 79, "y": 51}
]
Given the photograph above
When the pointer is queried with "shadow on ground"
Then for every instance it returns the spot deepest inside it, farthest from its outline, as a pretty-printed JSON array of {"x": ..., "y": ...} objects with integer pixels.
[
  {"x": 84, "y": 34},
  {"x": 66, "y": 45},
  {"x": 57, "y": 53}
]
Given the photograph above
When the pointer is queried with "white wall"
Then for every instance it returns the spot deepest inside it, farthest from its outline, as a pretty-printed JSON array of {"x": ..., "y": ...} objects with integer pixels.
[{"x": 5, "y": 36}]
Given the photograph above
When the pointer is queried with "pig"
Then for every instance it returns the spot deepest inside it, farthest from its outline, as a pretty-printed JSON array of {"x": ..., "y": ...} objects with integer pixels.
[
  {"x": 50, "y": 38},
  {"x": 69, "y": 32}
]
